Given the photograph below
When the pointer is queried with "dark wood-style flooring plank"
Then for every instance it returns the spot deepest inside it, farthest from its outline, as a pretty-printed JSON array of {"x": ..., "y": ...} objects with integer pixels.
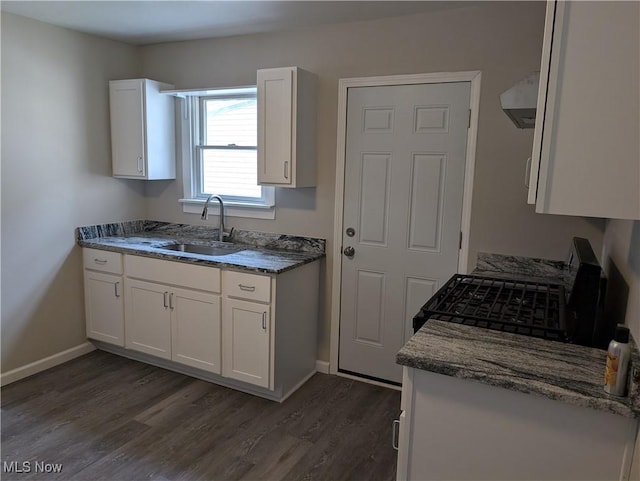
[{"x": 108, "y": 418}]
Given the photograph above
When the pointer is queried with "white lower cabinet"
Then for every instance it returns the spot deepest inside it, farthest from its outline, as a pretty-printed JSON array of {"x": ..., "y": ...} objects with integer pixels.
[
  {"x": 195, "y": 329},
  {"x": 246, "y": 340},
  {"x": 460, "y": 429},
  {"x": 103, "y": 293},
  {"x": 104, "y": 307},
  {"x": 269, "y": 328},
  {"x": 231, "y": 326},
  {"x": 148, "y": 318},
  {"x": 173, "y": 320}
]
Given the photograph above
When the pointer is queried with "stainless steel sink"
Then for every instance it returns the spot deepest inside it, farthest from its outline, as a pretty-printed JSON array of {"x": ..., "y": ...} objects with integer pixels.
[{"x": 203, "y": 249}]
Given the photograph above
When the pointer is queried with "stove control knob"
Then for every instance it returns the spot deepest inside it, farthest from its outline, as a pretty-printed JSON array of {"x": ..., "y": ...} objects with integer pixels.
[{"x": 349, "y": 251}]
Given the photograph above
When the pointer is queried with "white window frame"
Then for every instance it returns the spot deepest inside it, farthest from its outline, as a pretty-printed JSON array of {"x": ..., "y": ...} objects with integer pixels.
[{"x": 189, "y": 133}]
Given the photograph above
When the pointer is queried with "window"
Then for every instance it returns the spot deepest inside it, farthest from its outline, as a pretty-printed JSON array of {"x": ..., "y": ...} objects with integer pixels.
[{"x": 221, "y": 157}]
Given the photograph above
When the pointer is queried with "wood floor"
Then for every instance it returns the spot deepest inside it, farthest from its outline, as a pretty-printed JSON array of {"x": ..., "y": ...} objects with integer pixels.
[{"x": 104, "y": 417}]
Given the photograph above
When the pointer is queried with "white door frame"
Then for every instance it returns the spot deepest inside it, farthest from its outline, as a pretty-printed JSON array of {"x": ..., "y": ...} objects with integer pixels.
[{"x": 343, "y": 86}]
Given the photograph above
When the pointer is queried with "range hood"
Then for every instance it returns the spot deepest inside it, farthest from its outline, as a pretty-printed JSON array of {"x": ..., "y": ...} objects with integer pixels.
[{"x": 519, "y": 102}]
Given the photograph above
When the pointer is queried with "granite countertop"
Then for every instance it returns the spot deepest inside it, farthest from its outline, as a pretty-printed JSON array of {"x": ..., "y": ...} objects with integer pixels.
[
  {"x": 564, "y": 372},
  {"x": 260, "y": 252},
  {"x": 559, "y": 371}
]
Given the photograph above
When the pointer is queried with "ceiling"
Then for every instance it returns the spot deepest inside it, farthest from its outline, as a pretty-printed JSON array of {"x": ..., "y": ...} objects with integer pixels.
[{"x": 146, "y": 22}]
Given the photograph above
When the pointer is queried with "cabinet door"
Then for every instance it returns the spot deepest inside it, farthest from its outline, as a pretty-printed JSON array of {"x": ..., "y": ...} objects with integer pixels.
[
  {"x": 104, "y": 307},
  {"x": 246, "y": 341},
  {"x": 533, "y": 169},
  {"x": 127, "y": 128},
  {"x": 403, "y": 447},
  {"x": 195, "y": 329},
  {"x": 587, "y": 121},
  {"x": 466, "y": 430},
  {"x": 275, "y": 121},
  {"x": 148, "y": 318},
  {"x": 405, "y": 421}
]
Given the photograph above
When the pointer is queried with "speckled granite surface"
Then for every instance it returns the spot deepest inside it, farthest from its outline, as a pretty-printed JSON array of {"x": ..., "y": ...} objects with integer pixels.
[
  {"x": 559, "y": 371},
  {"x": 515, "y": 267},
  {"x": 259, "y": 252}
]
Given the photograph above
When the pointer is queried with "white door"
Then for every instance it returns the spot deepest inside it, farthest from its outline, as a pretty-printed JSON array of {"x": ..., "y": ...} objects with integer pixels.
[
  {"x": 148, "y": 318},
  {"x": 404, "y": 182},
  {"x": 195, "y": 329},
  {"x": 246, "y": 329}
]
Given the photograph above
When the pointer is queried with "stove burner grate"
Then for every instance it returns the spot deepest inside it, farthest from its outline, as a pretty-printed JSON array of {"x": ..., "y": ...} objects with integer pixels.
[{"x": 520, "y": 307}]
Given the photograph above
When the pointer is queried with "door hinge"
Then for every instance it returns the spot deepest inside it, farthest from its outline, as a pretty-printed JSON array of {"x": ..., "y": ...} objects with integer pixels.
[
  {"x": 460, "y": 244},
  {"x": 469, "y": 120}
]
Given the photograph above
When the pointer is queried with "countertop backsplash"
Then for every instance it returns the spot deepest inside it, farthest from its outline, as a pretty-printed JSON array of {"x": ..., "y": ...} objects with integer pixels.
[
  {"x": 518, "y": 267},
  {"x": 263, "y": 240}
]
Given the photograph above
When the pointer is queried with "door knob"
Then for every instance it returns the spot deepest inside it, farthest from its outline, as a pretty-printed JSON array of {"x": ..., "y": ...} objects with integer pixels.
[{"x": 349, "y": 251}]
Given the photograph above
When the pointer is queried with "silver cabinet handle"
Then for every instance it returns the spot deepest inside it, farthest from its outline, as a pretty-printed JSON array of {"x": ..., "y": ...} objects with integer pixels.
[
  {"x": 116, "y": 288},
  {"x": 171, "y": 301},
  {"x": 286, "y": 169},
  {"x": 166, "y": 294},
  {"x": 264, "y": 321},
  {"x": 100, "y": 261},
  {"x": 395, "y": 428},
  {"x": 139, "y": 164},
  {"x": 247, "y": 288}
]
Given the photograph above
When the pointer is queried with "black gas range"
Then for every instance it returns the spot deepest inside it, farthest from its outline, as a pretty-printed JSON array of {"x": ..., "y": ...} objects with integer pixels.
[
  {"x": 520, "y": 306},
  {"x": 516, "y": 306}
]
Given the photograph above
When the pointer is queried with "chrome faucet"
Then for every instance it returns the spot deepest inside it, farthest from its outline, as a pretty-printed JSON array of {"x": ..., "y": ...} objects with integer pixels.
[{"x": 205, "y": 216}]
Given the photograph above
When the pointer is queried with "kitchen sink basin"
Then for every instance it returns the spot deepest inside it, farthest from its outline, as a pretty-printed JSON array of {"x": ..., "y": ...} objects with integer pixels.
[{"x": 203, "y": 249}]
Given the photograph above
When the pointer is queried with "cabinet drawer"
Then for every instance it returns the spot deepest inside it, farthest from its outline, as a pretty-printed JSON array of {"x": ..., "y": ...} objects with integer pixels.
[
  {"x": 247, "y": 286},
  {"x": 175, "y": 273},
  {"x": 103, "y": 261}
]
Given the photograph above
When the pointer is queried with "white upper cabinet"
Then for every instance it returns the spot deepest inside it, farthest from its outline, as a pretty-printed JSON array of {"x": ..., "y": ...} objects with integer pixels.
[
  {"x": 142, "y": 130},
  {"x": 586, "y": 152},
  {"x": 286, "y": 127}
]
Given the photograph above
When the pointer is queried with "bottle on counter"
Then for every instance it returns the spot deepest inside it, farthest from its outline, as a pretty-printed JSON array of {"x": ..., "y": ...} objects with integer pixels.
[{"x": 618, "y": 354}]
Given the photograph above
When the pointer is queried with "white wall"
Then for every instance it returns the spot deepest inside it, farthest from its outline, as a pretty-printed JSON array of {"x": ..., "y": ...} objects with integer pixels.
[
  {"x": 621, "y": 262},
  {"x": 502, "y": 39},
  {"x": 56, "y": 134},
  {"x": 56, "y": 175}
]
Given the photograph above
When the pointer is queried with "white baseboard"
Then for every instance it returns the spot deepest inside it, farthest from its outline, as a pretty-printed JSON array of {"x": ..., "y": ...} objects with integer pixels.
[
  {"x": 298, "y": 386},
  {"x": 207, "y": 376},
  {"x": 369, "y": 381},
  {"x": 322, "y": 367},
  {"x": 77, "y": 351},
  {"x": 46, "y": 363}
]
